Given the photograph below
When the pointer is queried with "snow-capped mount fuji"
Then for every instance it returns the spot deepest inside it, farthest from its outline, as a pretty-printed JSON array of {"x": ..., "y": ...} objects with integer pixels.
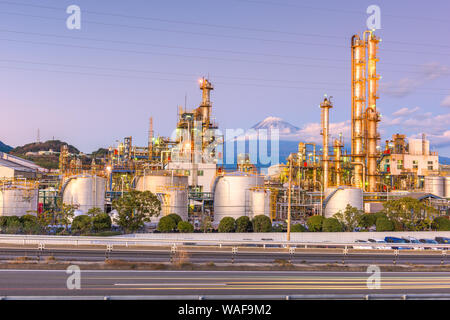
[{"x": 271, "y": 123}]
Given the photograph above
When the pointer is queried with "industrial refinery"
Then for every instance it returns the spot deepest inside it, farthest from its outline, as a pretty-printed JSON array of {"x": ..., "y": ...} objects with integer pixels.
[{"x": 187, "y": 174}]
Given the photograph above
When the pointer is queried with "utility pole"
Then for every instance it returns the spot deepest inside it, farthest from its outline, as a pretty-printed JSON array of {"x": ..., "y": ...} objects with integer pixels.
[{"x": 289, "y": 200}]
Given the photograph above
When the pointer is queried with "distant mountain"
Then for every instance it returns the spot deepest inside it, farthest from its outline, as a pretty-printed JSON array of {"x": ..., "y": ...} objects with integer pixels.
[
  {"x": 5, "y": 147},
  {"x": 54, "y": 145},
  {"x": 284, "y": 127}
]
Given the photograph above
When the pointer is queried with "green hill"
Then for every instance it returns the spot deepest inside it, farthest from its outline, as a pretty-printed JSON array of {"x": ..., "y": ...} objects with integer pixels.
[
  {"x": 5, "y": 147},
  {"x": 54, "y": 145}
]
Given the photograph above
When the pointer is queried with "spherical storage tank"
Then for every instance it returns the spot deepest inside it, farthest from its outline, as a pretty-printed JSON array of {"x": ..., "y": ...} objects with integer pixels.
[
  {"x": 232, "y": 194},
  {"x": 172, "y": 191},
  {"x": 435, "y": 185},
  {"x": 337, "y": 199},
  {"x": 85, "y": 191},
  {"x": 18, "y": 201}
]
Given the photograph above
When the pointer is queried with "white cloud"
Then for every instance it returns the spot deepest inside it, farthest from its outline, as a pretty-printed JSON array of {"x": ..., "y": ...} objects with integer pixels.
[
  {"x": 446, "y": 102},
  {"x": 405, "y": 111},
  {"x": 405, "y": 86}
]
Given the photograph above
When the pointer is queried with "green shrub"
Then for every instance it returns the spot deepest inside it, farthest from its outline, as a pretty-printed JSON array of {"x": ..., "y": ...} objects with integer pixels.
[
  {"x": 185, "y": 227},
  {"x": 176, "y": 218},
  {"x": 81, "y": 224},
  {"x": 298, "y": 228},
  {"x": 13, "y": 224},
  {"x": 31, "y": 224},
  {"x": 243, "y": 224},
  {"x": 166, "y": 224},
  {"x": 315, "y": 223},
  {"x": 227, "y": 224},
  {"x": 101, "y": 222},
  {"x": 384, "y": 224},
  {"x": 278, "y": 228},
  {"x": 441, "y": 224},
  {"x": 262, "y": 223},
  {"x": 331, "y": 225},
  {"x": 367, "y": 220}
]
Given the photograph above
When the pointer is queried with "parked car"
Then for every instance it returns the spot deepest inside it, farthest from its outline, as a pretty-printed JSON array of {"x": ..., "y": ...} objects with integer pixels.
[
  {"x": 380, "y": 241},
  {"x": 430, "y": 241},
  {"x": 413, "y": 240},
  {"x": 396, "y": 240},
  {"x": 442, "y": 240},
  {"x": 367, "y": 247}
]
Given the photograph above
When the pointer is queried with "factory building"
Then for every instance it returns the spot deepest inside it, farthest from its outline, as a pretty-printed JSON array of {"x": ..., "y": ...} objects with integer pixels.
[{"x": 12, "y": 166}]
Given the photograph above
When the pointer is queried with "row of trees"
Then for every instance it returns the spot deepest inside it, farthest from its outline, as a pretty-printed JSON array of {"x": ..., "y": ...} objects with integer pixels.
[{"x": 259, "y": 223}]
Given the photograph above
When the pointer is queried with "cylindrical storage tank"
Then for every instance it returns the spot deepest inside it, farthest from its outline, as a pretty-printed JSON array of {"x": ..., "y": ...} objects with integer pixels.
[
  {"x": 232, "y": 194},
  {"x": 337, "y": 199},
  {"x": 172, "y": 191},
  {"x": 85, "y": 191},
  {"x": 435, "y": 185},
  {"x": 18, "y": 201},
  {"x": 259, "y": 202},
  {"x": 447, "y": 187}
]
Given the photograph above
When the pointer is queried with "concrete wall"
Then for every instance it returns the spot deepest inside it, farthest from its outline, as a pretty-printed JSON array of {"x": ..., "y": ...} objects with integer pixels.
[{"x": 337, "y": 237}]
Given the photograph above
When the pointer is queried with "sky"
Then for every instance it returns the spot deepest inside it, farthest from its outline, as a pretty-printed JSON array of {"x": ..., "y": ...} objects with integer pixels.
[{"x": 135, "y": 59}]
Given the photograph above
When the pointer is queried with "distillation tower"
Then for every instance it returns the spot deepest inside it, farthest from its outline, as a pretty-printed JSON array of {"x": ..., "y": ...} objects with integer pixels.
[{"x": 364, "y": 126}]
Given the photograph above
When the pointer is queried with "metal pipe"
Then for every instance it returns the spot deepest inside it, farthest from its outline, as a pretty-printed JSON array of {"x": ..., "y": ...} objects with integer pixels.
[{"x": 326, "y": 105}]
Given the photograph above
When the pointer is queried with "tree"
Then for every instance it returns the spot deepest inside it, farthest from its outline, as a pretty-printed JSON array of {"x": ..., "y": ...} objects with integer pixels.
[
  {"x": 367, "y": 220},
  {"x": 409, "y": 213},
  {"x": 331, "y": 225},
  {"x": 81, "y": 224},
  {"x": 262, "y": 223},
  {"x": 349, "y": 218},
  {"x": 13, "y": 225},
  {"x": 206, "y": 224},
  {"x": 227, "y": 224},
  {"x": 64, "y": 214},
  {"x": 384, "y": 224},
  {"x": 185, "y": 227},
  {"x": 315, "y": 223},
  {"x": 441, "y": 224},
  {"x": 176, "y": 218},
  {"x": 135, "y": 208},
  {"x": 166, "y": 224},
  {"x": 93, "y": 212},
  {"x": 30, "y": 224},
  {"x": 298, "y": 228},
  {"x": 101, "y": 222},
  {"x": 243, "y": 224}
]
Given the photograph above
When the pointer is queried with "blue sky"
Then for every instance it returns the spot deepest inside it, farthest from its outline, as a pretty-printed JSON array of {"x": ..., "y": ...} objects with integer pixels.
[{"x": 136, "y": 59}]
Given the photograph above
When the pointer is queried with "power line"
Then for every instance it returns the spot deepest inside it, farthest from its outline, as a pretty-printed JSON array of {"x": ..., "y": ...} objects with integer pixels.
[
  {"x": 222, "y": 35},
  {"x": 186, "y": 80},
  {"x": 191, "y": 56}
]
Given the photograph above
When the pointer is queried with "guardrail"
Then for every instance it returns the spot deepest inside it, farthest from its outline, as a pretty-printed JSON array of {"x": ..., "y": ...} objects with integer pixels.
[
  {"x": 127, "y": 242},
  {"x": 412, "y": 296}
]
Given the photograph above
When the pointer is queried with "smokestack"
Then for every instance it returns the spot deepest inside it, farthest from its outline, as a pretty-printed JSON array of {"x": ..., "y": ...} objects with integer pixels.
[{"x": 326, "y": 105}]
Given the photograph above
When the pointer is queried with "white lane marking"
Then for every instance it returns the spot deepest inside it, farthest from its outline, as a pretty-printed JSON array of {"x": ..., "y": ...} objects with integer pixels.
[{"x": 170, "y": 284}]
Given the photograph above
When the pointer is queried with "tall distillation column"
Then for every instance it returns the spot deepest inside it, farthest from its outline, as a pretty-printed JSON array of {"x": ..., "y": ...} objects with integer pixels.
[
  {"x": 326, "y": 105},
  {"x": 337, "y": 159},
  {"x": 372, "y": 116},
  {"x": 206, "y": 88},
  {"x": 358, "y": 47}
]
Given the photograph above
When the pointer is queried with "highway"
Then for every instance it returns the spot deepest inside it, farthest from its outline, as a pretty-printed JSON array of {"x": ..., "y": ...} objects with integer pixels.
[
  {"x": 225, "y": 255},
  {"x": 175, "y": 284}
]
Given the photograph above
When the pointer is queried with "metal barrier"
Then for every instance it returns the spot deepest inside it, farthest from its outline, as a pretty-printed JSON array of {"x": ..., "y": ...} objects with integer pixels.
[
  {"x": 412, "y": 296},
  {"x": 127, "y": 242}
]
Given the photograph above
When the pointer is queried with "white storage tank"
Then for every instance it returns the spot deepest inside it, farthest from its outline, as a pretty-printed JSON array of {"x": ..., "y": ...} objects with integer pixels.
[
  {"x": 85, "y": 191},
  {"x": 337, "y": 199},
  {"x": 447, "y": 187},
  {"x": 172, "y": 191},
  {"x": 434, "y": 185},
  {"x": 232, "y": 194},
  {"x": 259, "y": 202},
  {"x": 18, "y": 201}
]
